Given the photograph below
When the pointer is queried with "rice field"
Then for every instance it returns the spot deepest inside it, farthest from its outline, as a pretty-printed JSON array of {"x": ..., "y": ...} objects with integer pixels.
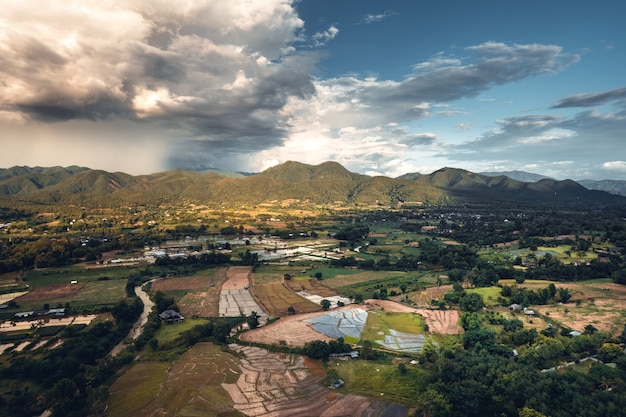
[{"x": 191, "y": 387}]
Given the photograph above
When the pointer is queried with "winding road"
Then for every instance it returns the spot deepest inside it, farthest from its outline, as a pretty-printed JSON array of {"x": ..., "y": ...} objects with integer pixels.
[{"x": 135, "y": 332}]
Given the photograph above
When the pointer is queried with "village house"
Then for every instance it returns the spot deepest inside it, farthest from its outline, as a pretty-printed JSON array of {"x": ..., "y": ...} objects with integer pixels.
[{"x": 171, "y": 316}]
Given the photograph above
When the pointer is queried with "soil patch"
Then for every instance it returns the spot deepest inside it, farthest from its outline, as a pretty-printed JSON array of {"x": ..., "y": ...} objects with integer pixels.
[
  {"x": 50, "y": 292},
  {"x": 238, "y": 278}
]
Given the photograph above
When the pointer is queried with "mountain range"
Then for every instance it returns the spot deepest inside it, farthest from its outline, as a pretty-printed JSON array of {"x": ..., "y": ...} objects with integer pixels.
[
  {"x": 326, "y": 183},
  {"x": 616, "y": 187}
]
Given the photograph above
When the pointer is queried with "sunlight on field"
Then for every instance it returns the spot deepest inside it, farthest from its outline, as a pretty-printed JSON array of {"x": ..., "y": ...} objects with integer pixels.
[
  {"x": 162, "y": 388},
  {"x": 136, "y": 388},
  {"x": 379, "y": 323}
]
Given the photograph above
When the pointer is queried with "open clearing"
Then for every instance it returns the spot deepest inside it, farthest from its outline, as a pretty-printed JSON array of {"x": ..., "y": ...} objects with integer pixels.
[{"x": 599, "y": 303}]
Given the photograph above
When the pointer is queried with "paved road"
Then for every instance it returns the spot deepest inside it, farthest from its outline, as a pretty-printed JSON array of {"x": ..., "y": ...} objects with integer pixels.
[{"x": 135, "y": 332}]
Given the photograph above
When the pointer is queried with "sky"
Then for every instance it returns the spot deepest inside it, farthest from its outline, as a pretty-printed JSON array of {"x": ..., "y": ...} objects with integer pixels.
[{"x": 382, "y": 87}]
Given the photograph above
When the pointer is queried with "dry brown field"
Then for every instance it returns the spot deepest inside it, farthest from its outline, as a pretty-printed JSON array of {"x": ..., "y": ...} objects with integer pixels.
[
  {"x": 312, "y": 286},
  {"x": 51, "y": 292},
  {"x": 201, "y": 299},
  {"x": 598, "y": 303},
  {"x": 276, "y": 298},
  {"x": 238, "y": 277}
]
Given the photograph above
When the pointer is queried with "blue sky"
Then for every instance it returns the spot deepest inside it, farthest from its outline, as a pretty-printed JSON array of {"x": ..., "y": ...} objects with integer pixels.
[{"x": 382, "y": 87}]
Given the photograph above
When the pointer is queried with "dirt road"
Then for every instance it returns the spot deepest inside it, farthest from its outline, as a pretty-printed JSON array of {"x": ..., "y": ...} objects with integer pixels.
[{"x": 135, "y": 332}]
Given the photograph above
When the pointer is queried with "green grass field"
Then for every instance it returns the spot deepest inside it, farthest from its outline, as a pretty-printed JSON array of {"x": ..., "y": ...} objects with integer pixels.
[
  {"x": 383, "y": 381},
  {"x": 93, "y": 293},
  {"x": 170, "y": 332},
  {"x": 380, "y": 322},
  {"x": 136, "y": 388},
  {"x": 55, "y": 276},
  {"x": 490, "y": 294},
  {"x": 266, "y": 274},
  {"x": 359, "y": 277}
]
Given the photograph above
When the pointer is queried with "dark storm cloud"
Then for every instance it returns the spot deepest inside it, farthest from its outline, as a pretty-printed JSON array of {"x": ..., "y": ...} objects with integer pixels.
[
  {"x": 208, "y": 69},
  {"x": 592, "y": 99}
]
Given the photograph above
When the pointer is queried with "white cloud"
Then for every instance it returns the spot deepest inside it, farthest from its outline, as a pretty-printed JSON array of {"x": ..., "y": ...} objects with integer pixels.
[
  {"x": 615, "y": 166},
  {"x": 322, "y": 38},
  {"x": 369, "y": 18}
]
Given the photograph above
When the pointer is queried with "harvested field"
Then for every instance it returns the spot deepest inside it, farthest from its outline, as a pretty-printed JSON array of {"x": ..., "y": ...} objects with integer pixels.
[
  {"x": 276, "y": 298},
  {"x": 441, "y": 321},
  {"x": 51, "y": 292},
  {"x": 279, "y": 385},
  {"x": 27, "y": 325},
  {"x": 294, "y": 330},
  {"x": 438, "y": 321},
  {"x": 238, "y": 278},
  {"x": 312, "y": 286},
  {"x": 201, "y": 298},
  {"x": 235, "y": 296},
  {"x": 424, "y": 298}
]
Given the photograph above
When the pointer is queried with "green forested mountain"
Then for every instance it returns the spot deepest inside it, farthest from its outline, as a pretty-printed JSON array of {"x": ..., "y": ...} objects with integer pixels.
[
  {"x": 326, "y": 183},
  {"x": 467, "y": 185}
]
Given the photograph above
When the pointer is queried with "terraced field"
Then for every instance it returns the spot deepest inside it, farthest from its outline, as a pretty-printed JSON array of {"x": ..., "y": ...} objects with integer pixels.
[{"x": 278, "y": 385}]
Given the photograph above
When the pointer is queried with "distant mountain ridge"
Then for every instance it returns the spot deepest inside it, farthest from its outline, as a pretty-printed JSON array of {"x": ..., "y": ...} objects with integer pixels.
[
  {"x": 518, "y": 175},
  {"x": 325, "y": 183},
  {"x": 617, "y": 187},
  {"x": 467, "y": 185}
]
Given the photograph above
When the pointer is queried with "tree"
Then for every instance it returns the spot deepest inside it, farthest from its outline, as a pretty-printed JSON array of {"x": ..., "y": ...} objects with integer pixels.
[
  {"x": 325, "y": 304},
  {"x": 367, "y": 350},
  {"x": 564, "y": 294},
  {"x": 529, "y": 412},
  {"x": 318, "y": 276},
  {"x": 589, "y": 329},
  {"x": 471, "y": 302},
  {"x": 619, "y": 276},
  {"x": 253, "y": 320},
  {"x": 291, "y": 311}
]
